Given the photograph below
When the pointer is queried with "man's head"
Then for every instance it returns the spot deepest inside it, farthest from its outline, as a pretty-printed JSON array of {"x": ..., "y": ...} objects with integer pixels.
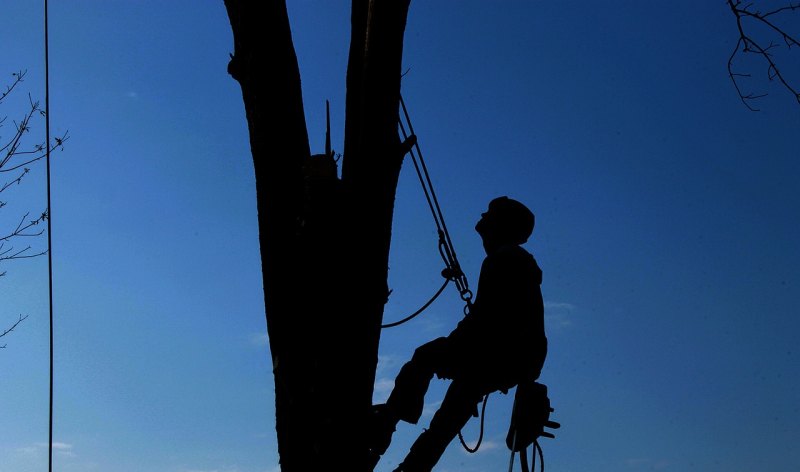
[{"x": 507, "y": 221}]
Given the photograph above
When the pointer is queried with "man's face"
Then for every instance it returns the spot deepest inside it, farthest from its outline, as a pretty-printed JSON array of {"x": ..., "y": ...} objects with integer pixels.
[{"x": 484, "y": 225}]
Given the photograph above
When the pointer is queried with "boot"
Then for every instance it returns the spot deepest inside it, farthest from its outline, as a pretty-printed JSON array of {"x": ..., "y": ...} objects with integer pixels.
[{"x": 382, "y": 423}]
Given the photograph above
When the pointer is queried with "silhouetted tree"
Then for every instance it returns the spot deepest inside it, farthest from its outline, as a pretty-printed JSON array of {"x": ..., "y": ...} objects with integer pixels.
[
  {"x": 324, "y": 239},
  {"x": 765, "y": 34},
  {"x": 15, "y": 160}
]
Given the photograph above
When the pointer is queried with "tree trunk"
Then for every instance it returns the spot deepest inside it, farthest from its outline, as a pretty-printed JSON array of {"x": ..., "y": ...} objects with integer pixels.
[{"x": 324, "y": 241}]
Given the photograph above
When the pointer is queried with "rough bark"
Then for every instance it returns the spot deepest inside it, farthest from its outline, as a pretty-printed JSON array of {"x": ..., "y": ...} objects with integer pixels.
[{"x": 324, "y": 241}]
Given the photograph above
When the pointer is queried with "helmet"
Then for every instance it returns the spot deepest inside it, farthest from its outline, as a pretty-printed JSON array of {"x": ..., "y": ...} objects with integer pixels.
[{"x": 509, "y": 219}]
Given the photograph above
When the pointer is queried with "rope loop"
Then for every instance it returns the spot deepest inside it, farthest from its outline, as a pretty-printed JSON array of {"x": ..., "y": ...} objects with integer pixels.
[
  {"x": 426, "y": 305},
  {"x": 473, "y": 450}
]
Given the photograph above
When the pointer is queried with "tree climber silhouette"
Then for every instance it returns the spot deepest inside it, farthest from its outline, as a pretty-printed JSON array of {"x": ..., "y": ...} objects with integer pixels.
[{"x": 500, "y": 343}]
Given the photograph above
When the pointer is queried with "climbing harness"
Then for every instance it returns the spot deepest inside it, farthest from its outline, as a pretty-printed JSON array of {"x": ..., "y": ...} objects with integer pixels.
[
  {"x": 530, "y": 415},
  {"x": 531, "y": 410}
]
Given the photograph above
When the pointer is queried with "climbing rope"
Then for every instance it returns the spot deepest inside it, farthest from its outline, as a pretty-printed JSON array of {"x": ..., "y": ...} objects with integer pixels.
[
  {"x": 426, "y": 305},
  {"x": 452, "y": 271},
  {"x": 446, "y": 248},
  {"x": 473, "y": 450},
  {"x": 523, "y": 459}
]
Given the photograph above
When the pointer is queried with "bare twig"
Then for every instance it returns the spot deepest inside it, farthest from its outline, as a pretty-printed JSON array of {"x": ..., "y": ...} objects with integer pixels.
[
  {"x": 747, "y": 44},
  {"x": 10, "y": 329},
  {"x": 23, "y": 229},
  {"x": 24, "y": 225},
  {"x": 11, "y": 148},
  {"x": 15, "y": 181},
  {"x": 18, "y": 77},
  {"x": 16, "y": 161}
]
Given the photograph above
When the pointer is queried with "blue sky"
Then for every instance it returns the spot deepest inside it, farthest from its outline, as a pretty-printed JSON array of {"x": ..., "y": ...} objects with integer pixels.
[{"x": 667, "y": 229}]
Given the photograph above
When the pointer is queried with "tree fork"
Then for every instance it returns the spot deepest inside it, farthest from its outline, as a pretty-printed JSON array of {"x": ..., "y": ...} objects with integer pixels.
[{"x": 324, "y": 306}]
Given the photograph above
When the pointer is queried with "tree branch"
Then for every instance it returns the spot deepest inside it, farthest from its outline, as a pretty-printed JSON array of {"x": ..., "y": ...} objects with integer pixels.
[
  {"x": 11, "y": 148},
  {"x": 18, "y": 77},
  {"x": 15, "y": 157},
  {"x": 10, "y": 329},
  {"x": 747, "y": 44}
]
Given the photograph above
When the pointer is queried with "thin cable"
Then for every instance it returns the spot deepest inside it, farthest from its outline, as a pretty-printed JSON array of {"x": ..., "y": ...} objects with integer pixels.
[{"x": 49, "y": 228}]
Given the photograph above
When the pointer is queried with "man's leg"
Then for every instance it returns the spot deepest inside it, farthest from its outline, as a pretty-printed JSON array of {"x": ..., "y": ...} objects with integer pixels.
[
  {"x": 458, "y": 405},
  {"x": 408, "y": 395}
]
